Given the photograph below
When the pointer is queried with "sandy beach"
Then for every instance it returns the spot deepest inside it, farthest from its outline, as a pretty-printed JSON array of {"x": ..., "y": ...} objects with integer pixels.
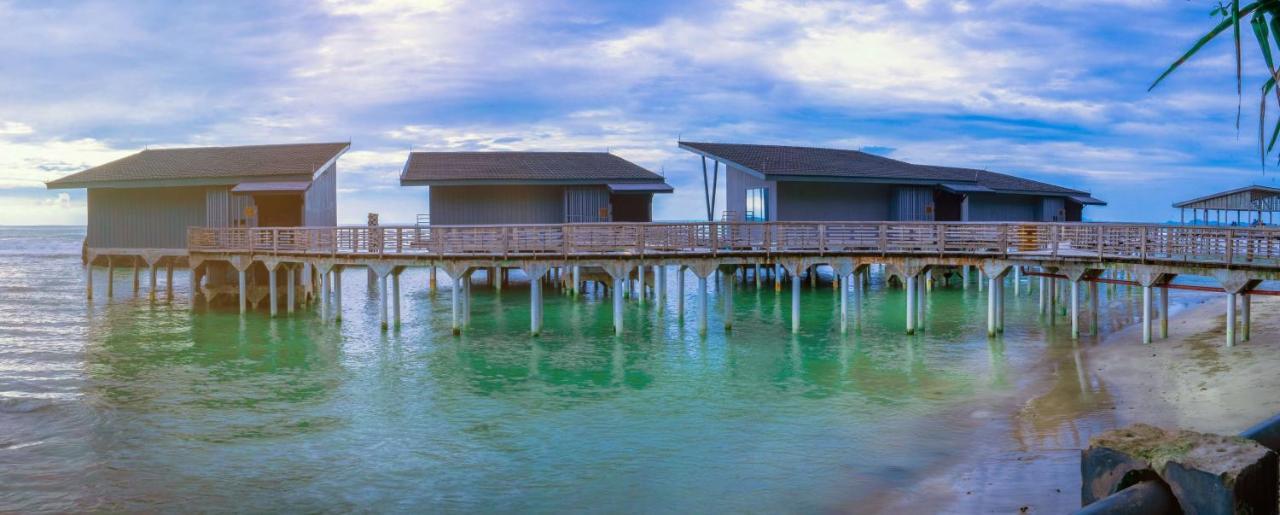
[{"x": 1026, "y": 453}]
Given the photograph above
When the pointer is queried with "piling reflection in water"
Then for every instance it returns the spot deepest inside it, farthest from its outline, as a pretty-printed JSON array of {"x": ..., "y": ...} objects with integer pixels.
[{"x": 123, "y": 405}]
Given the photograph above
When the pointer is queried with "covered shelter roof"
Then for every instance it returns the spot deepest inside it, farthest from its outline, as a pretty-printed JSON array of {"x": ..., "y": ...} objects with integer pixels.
[
  {"x": 481, "y": 168},
  {"x": 1248, "y": 198},
  {"x": 783, "y": 163},
  {"x": 208, "y": 165}
]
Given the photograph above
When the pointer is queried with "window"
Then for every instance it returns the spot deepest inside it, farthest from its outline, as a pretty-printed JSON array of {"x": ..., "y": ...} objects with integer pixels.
[{"x": 757, "y": 205}]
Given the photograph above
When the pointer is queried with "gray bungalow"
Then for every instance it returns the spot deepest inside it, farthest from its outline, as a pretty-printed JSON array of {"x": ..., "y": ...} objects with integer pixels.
[
  {"x": 470, "y": 188},
  {"x": 140, "y": 206},
  {"x": 781, "y": 183}
]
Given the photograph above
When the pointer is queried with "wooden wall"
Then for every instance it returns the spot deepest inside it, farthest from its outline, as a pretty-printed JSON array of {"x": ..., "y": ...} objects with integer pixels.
[
  {"x": 320, "y": 203},
  {"x": 146, "y": 218},
  {"x": 488, "y": 205}
]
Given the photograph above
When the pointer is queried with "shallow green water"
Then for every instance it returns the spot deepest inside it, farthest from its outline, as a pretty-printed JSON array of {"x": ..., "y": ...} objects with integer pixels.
[{"x": 122, "y": 405}]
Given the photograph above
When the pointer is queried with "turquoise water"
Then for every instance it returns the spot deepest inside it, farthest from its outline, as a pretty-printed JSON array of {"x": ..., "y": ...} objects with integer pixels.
[{"x": 124, "y": 405}]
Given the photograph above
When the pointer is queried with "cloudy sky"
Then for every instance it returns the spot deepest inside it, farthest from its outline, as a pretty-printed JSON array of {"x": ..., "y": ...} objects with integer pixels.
[{"x": 1053, "y": 90}]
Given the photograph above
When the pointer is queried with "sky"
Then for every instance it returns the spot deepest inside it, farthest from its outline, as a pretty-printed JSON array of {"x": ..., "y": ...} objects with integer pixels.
[{"x": 1050, "y": 90}]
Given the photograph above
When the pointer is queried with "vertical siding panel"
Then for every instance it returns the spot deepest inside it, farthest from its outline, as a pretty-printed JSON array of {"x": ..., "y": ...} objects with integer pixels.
[
  {"x": 478, "y": 205},
  {"x": 583, "y": 204},
  {"x": 144, "y": 217},
  {"x": 320, "y": 204}
]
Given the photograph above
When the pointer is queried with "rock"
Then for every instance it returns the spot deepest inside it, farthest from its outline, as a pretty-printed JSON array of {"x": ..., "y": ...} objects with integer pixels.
[{"x": 1206, "y": 473}]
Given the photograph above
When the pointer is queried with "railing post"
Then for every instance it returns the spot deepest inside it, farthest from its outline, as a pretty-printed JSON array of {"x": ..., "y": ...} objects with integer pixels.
[
  {"x": 942, "y": 239},
  {"x": 1004, "y": 239},
  {"x": 1101, "y": 239},
  {"x": 1230, "y": 246},
  {"x": 1142, "y": 245},
  {"x": 822, "y": 239},
  {"x": 883, "y": 240},
  {"x": 250, "y": 236},
  {"x": 714, "y": 237},
  {"x": 275, "y": 242},
  {"x": 640, "y": 242}
]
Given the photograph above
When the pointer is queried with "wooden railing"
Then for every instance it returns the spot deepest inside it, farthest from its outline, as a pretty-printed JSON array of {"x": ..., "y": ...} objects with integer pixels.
[{"x": 1258, "y": 247}]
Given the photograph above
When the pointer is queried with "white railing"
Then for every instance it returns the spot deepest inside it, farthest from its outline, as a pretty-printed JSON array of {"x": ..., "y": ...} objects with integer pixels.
[{"x": 1257, "y": 247}]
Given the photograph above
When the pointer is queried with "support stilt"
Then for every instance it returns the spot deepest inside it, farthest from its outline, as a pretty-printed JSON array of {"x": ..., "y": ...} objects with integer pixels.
[
  {"x": 795, "y": 302},
  {"x": 912, "y": 291},
  {"x": 577, "y": 279},
  {"x": 135, "y": 277},
  {"x": 337, "y": 293},
  {"x": 291, "y": 295},
  {"x": 273, "y": 295},
  {"x": 1244, "y": 316},
  {"x": 455, "y": 300},
  {"x": 618, "y": 285},
  {"x": 535, "y": 307},
  {"x": 702, "y": 305},
  {"x": 991, "y": 308},
  {"x": 1231, "y": 319},
  {"x": 844, "y": 305},
  {"x": 1075, "y": 310},
  {"x": 1146, "y": 314},
  {"x": 1000, "y": 300},
  {"x": 383, "y": 295},
  {"x": 1094, "y": 307},
  {"x": 1164, "y": 312},
  {"x": 168, "y": 280},
  {"x": 111, "y": 278},
  {"x": 727, "y": 293},
  {"x": 151, "y": 286},
  {"x": 395, "y": 295},
  {"x": 640, "y": 284},
  {"x": 660, "y": 287},
  {"x": 244, "y": 292},
  {"x": 680, "y": 292}
]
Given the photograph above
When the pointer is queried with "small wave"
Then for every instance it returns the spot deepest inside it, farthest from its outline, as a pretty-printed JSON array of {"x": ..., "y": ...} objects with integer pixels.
[{"x": 21, "y": 405}]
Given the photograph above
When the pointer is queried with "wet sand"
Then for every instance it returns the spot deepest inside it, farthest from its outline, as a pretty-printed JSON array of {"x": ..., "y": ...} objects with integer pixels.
[{"x": 1026, "y": 455}]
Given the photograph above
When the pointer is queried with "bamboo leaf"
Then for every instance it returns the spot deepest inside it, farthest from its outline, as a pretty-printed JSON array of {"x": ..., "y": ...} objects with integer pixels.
[{"x": 1218, "y": 29}]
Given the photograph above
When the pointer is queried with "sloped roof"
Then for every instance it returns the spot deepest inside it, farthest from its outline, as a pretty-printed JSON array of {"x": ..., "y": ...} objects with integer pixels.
[
  {"x": 780, "y": 162},
  {"x": 521, "y": 167},
  {"x": 1236, "y": 199},
  {"x": 180, "y": 164}
]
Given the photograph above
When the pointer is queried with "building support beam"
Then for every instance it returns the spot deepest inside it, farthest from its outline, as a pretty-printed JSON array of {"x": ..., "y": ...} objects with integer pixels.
[
  {"x": 618, "y": 285},
  {"x": 660, "y": 287},
  {"x": 135, "y": 276},
  {"x": 1075, "y": 310},
  {"x": 151, "y": 285},
  {"x": 111, "y": 277},
  {"x": 640, "y": 284},
  {"x": 680, "y": 292},
  {"x": 1146, "y": 314},
  {"x": 577, "y": 280}
]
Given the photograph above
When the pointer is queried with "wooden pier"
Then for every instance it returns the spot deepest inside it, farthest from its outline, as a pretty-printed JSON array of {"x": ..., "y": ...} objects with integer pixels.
[{"x": 913, "y": 252}]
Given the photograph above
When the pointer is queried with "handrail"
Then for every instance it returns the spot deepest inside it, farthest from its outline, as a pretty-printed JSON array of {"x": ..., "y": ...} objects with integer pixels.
[{"x": 1254, "y": 247}]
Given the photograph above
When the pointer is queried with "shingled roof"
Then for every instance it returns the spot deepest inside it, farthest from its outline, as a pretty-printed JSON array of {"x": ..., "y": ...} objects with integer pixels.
[
  {"x": 191, "y": 164},
  {"x": 442, "y": 168},
  {"x": 779, "y": 162}
]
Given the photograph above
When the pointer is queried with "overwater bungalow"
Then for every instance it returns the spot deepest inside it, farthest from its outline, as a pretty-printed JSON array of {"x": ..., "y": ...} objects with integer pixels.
[
  {"x": 141, "y": 206},
  {"x": 486, "y": 188},
  {"x": 785, "y": 183},
  {"x": 1251, "y": 205}
]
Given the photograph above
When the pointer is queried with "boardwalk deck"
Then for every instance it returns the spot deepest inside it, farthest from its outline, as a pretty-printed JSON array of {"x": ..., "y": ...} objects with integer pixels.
[
  {"x": 1251, "y": 248},
  {"x": 1238, "y": 258}
]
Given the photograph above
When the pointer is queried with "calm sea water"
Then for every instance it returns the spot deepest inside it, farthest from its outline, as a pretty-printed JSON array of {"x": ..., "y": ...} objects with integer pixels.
[{"x": 124, "y": 405}]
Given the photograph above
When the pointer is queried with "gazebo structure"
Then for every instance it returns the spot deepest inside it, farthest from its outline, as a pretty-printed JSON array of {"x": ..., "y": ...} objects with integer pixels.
[{"x": 1249, "y": 204}]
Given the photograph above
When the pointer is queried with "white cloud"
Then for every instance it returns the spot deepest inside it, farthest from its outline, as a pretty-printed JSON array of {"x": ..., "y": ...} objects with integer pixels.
[
  {"x": 15, "y": 129},
  {"x": 28, "y": 164}
]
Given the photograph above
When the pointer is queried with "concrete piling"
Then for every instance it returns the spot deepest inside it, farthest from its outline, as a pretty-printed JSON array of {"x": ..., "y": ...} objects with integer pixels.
[{"x": 912, "y": 291}]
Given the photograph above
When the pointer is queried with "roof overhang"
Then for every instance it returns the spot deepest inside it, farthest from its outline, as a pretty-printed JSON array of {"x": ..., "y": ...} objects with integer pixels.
[
  {"x": 1087, "y": 200},
  {"x": 640, "y": 187},
  {"x": 727, "y": 162},
  {"x": 965, "y": 188},
  {"x": 275, "y": 187},
  {"x": 513, "y": 182},
  {"x": 175, "y": 183}
]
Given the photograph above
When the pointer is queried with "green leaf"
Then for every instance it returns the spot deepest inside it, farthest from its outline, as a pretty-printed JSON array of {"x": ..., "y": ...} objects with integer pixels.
[
  {"x": 1223, "y": 25},
  {"x": 1260, "y": 31}
]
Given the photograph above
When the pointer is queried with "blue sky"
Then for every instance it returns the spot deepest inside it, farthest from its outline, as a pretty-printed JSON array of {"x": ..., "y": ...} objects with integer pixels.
[{"x": 1052, "y": 90}]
